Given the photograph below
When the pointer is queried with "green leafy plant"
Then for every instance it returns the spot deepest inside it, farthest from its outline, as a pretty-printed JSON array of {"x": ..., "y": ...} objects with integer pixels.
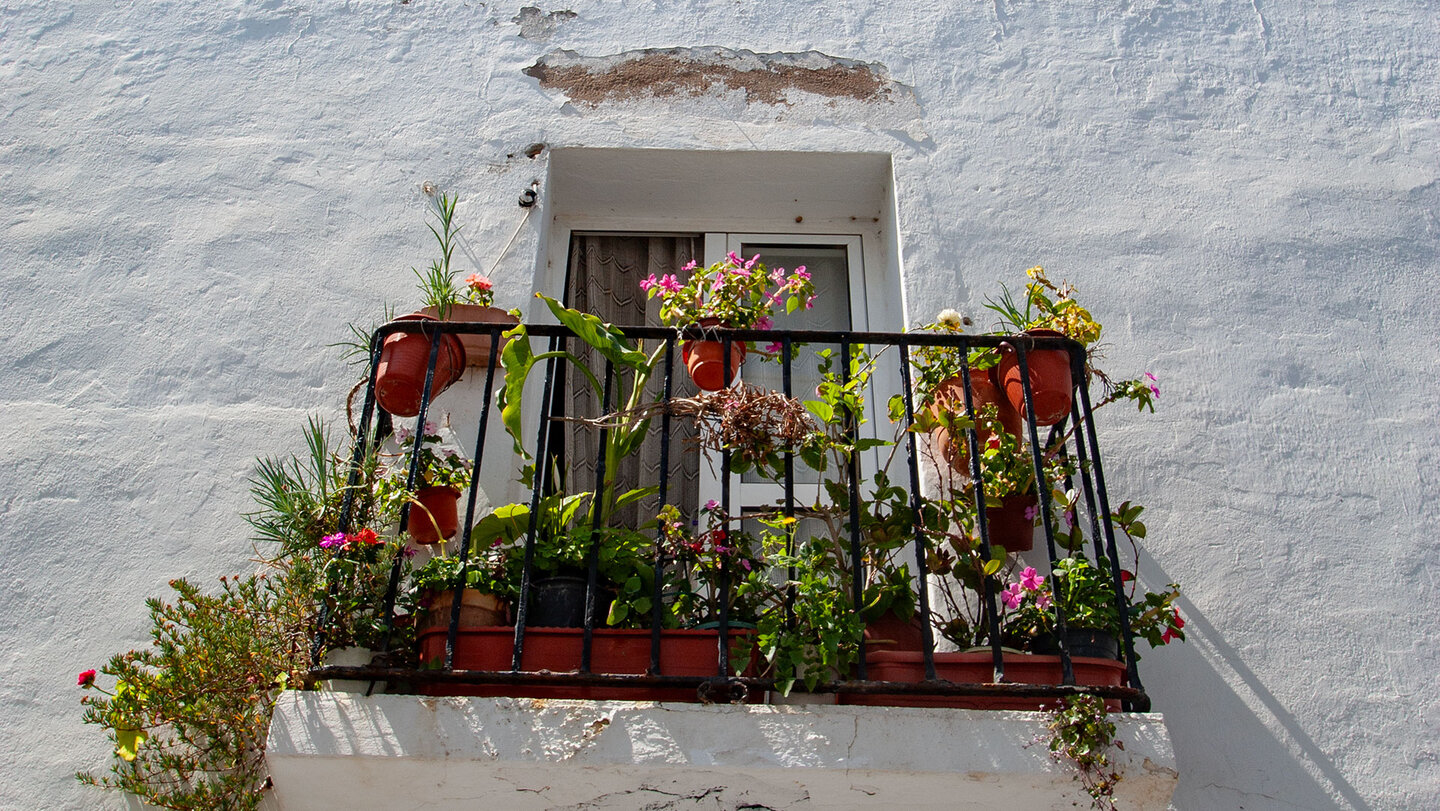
[
  {"x": 1082, "y": 734},
  {"x": 189, "y": 714},
  {"x": 437, "y": 282},
  {"x": 440, "y": 465}
]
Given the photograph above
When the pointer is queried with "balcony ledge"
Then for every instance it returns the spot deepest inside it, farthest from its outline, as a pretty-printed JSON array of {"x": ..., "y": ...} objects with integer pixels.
[{"x": 344, "y": 751}]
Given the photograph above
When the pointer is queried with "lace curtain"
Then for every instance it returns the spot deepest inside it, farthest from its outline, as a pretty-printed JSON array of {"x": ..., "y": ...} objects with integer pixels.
[{"x": 604, "y": 279}]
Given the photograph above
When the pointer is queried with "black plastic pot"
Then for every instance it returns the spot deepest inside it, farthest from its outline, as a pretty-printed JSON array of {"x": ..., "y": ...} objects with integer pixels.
[
  {"x": 558, "y": 601},
  {"x": 1082, "y": 642}
]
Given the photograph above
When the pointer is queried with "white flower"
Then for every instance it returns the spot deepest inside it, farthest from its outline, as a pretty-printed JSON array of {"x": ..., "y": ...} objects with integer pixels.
[{"x": 949, "y": 318}]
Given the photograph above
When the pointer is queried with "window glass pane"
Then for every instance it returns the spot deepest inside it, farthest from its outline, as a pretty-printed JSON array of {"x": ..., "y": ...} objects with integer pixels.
[{"x": 829, "y": 269}]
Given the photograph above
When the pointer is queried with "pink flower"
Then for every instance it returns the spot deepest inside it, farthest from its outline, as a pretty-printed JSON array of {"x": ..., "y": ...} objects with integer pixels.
[
  {"x": 669, "y": 283},
  {"x": 775, "y": 348},
  {"x": 1042, "y": 601},
  {"x": 733, "y": 259},
  {"x": 746, "y": 563},
  {"x": 712, "y": 504},
  {"x": 1070, "y": 517},
  {"x": 809, "y": 302},
  {"x": 753, "y": 260},
  {"x": 764, "y": 322},
  {"x": 777, "y": 275},
  {"x": 648, "y": 282},
  {"x": 1031, "y": 512},
  {"x": 1012, "y": 596},
  {"x": 691, "y": 265},
  {"x": 403, "y": 434},
  {"x": 478, "y": 282},
  {"x": 332, "y": 541},
  {"x": 86, "y": 679},
  {"x": 1030, "y": 579},
  {"x": 802, "y": 273}
]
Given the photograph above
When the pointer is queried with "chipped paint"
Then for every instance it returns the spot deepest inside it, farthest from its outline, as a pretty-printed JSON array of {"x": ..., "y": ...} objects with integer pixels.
[{"x": 764, "y": 78}]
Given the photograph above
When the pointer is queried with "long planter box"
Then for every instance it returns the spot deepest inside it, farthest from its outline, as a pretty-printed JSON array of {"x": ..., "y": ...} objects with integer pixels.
[
  {"x": 978, "y": 668},
  {"x": 558, "y": 650}
]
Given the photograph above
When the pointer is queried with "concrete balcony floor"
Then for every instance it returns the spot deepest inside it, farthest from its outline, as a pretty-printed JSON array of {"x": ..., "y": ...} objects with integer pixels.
[{"x": 346, "y": 751}]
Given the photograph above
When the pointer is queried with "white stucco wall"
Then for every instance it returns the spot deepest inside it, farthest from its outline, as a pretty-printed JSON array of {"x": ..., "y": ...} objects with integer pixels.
[{"x": 196, "y": 197}]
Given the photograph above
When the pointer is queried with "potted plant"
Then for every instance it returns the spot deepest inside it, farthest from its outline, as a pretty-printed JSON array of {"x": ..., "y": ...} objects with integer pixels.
[
  {"x": 474, "y": 302},
  {"x": 358, "y": 565},
  {"x": 484, "y": 586},
  {"x": 443, "y": 475},
  {"x": 732, "y": 293},
  {"x": 1050, "y": 311}
]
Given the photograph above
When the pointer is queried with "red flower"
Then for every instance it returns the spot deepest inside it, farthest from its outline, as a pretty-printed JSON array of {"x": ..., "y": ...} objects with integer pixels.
[
  {"x": 366, "y": 536},
  {"x": 86, "y": 679},
  {"x": 1125, "y": 576},
  {"x": 1179, "y": 621}
]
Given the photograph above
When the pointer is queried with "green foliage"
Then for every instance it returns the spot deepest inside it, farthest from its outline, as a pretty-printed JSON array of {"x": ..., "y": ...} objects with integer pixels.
[
  {"x": 298, "y": 498},
  {"x": 189, "y": 714},
  {"x": 736, "y": 293},
  {"x": 437, "y": 283},
  {"x": 1082, "y": 733}
]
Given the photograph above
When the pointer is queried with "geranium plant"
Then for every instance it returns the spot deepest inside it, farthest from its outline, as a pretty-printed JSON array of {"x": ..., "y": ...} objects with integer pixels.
[
  {"x": 440, "y": 465},
  {"x": 734, "y": 292}
]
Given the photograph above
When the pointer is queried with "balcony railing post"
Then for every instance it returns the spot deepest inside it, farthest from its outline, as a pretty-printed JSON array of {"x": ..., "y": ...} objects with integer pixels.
[
  {"x": 1042, "y": 487},
  {"x": 663, "y": 497},
  {"x": 982, "y": 522},
  {"x": 598, "y": 511},
  {"x": 537, "y": 485},
  {"x": 921, "y": 545},
  {"x": 457, "y": 596}
]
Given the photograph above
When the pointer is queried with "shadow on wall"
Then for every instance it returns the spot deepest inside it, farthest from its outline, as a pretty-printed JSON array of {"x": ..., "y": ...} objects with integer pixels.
[{"x": 1245, "y": 765}]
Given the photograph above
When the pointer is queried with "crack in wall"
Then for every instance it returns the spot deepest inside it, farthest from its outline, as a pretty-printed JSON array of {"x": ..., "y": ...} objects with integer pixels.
[{"x": 764, "y": 78}]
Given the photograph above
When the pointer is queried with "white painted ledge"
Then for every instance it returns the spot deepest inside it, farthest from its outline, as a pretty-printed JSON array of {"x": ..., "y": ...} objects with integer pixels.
[{"x": 345, "y": 751}]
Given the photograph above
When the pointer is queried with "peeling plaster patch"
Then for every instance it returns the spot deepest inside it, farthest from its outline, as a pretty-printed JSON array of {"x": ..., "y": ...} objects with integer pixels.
[
  {"x": 765, "y": 78},
  {"x": 539, "y": 26}
]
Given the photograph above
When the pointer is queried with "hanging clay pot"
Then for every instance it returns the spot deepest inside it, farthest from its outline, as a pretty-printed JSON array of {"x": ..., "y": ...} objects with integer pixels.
[
  {"x": 1008, "y": 524},
  {"x": 477, "y": 345},
  {"x": 437, "y": 509},
  {"x": 1050, "y": 381},
  {"x": 400, "y": 379},
  {"x": 705, "y": 360},
  {"x": 950, "y": 399}
]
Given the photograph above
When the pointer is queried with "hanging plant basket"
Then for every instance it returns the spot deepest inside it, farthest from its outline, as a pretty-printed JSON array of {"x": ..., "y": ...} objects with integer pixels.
[
  {"x": 404, "y": 357},
  {"x": 950, "y": 399},
  {"x": 705, "y": 360},
  {"x": 437, "y": 509},
  {"x": 1051, "y": 384}
]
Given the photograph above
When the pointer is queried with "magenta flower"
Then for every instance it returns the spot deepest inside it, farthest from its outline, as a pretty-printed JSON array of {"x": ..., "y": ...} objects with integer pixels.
[
  {"x": 332, "y": 541},
  {"x": 712, "y": 504},
  {"x": 809, "y": 302},
  {"x": 775, "y": 347},
  {"x": 86, "y": 679},
  {"x": 733, "y": 259},
  {"x": 746, "y": 563},
  {"x": 691, "y": 265},
  {"x": 764, "y": 322},
  {"x": 1042, "y": 600},
  {"x": 648, "y": 282},
  {"x": 1030, "y": 580},
  {"x": 1154, "y": 389},
  {"x": 670, "y": 284},
  {"x": 1031, "y": 512},
  {"x": 753, "y": 260},
  {"x": 777, "y": 275},
  {"x": 1012, "y": 596},
  {"x": 802, "y": 273},
  {"x": 1070, "y": 516}
]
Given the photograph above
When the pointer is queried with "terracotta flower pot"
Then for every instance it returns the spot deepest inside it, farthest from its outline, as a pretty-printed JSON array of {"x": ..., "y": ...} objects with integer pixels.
[
  {"x": 705, "y": 360},
  {"x": 477, "y": 347},
  {"x": 400, "y": 379},
  {"x": 613, "y": 651},
  {"x": 950, "y": 398},
  {"x": 1009, "y": 527},
  {"x": 438, "y": 507},
  {"x": 977, "y": 667},
  {"x": 1051, "y": 384},
  {"x": 477, "y": 608},
  {"x": 889, "y": 632}
]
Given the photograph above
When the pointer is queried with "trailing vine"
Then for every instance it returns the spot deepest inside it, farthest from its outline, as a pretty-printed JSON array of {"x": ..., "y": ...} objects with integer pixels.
[{"x": 1082, "y": 733}]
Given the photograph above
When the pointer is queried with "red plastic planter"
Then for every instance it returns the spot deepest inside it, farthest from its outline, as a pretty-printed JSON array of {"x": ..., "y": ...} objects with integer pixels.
[
  {"x": 1050, "y": 381},
  {"x": 978, "y": 668},
  {"x": 404, "y": 357},
  {"x": 613, "y": 651},
  {"x": 1008, "y": 525},
  {"x": 438, "y": 506}
]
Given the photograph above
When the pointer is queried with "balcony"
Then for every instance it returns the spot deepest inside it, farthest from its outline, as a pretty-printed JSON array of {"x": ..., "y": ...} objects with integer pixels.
[{"x": 812, "y": 588}]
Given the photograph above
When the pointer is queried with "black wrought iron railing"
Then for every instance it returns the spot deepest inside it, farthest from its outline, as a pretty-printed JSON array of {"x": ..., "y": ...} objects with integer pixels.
[{"x": 932, "y": 549}]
